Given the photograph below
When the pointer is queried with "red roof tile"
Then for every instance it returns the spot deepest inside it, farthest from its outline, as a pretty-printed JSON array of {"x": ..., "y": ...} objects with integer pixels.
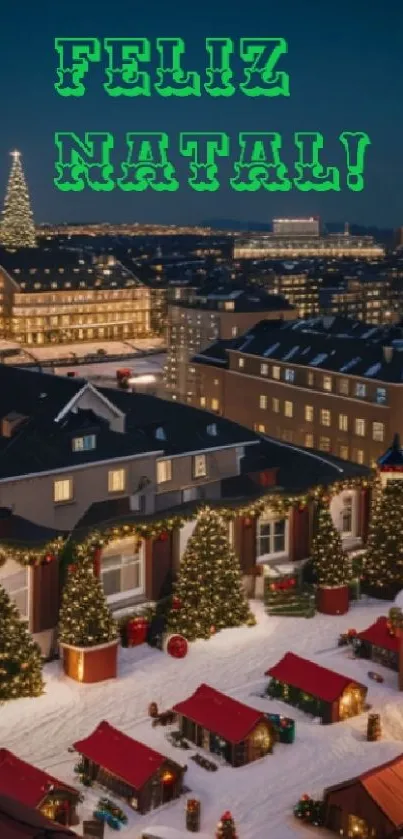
[
  {"x": 25, "y": 783},
  {"x": 309, "y": 677},
  {"x": 218, "y": 713},
  {"x": 378, "y": 635},
  {"x": 384, "y": 784},
  {"x": 129, "y": 760}
]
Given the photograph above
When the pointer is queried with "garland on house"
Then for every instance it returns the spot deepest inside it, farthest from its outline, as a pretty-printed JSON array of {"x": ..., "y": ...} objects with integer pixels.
[{"x": 159, "y": 529}]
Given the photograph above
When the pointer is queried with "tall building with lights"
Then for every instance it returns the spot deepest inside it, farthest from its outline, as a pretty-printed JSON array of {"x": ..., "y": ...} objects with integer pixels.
[{"x": 296, "y": 226}]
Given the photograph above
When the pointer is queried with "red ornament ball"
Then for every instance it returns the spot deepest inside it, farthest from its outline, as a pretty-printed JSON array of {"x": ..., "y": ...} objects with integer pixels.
[
  {"x": 176, "y": 604},
  {"x": 177, "y": 646}
]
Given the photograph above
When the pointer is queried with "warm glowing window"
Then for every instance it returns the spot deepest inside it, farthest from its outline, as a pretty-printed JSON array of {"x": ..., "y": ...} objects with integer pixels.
[
  {"x": 288, "y": 409},
  {"x": 325, "y": 417},
  {"x": 275, "y": 372},
  {"x": 215, "y": 405},
  {"x": 62, "y": 490},
  {"x": 116, "y": 480},
  {"x": 360, "y": 427},
  {"x": 164, "y": 471},
  {"x": 324, "y": 444},
  {"x": 378, "y": 431},
  {"x": 327, "y": 383},
  {"x": 263, "y": 401},
  {"x": 309, "y": 413},
  {"x": 199, "y": 466},
  {"x": 343, "y": 422},
  {"x": 309, "y": 441}
]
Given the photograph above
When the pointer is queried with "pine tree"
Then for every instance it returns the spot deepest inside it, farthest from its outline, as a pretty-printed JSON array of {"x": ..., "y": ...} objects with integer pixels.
[
  {"x": 329, "y": 560},
  {"x": 17, "y": 228},
  {"x": 85, "y": 619},
  {"x": 226, "y": 827},
  {"x": 383, "y": 567},
  {"x": 20, "y": 656},
  {"x": 208, "y": 594}
]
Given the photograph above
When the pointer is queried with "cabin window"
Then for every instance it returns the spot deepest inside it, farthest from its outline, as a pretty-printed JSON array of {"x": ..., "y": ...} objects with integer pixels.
[
  {"x": 272, "y": 536},
  {"x": 359, "y": 829},
  {"x": 122, "y": 569}
]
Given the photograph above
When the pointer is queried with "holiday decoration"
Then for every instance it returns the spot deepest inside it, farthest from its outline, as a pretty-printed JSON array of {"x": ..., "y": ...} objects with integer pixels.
[
  {"x": 383, "y": 568},
  {"x": 136, "y": 631},
  {"x": 309, "y": 811},
  {"x": 20, "y": 656},
  {"x": 226, "y": 827},
  {"x": 374, "y": 729},
  {"x": 108, "y": 812},
  {"x": 177, "y": 646},
  {"x": 17, "y": 226},
  {"x": 88, "y": 634},
  {"x": 193, "y": 815},
  {"x": 209, "y": 585},
  {"x": 283, "y": 726},
  {"x": 330, "y": 564}
]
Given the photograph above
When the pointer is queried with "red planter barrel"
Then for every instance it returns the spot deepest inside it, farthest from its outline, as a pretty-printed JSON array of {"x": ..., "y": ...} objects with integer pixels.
[
  {"x": 90, "y": 664},
  {"x": 333, "y": 600},
  {"x": 136, "y": 631}
]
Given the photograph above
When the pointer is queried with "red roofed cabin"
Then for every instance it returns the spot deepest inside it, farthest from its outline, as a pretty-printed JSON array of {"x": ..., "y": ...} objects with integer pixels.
[
  {"x": 377, "y": 644},
  {"x": 316, "y": 689},
  {"x": 36, "y": 789},
  {"x": 144, "y": 778},
  {"x": 370, "y": 806},
  {"x": 20, "y": 822},
  {"x": 224, "y": 726}
]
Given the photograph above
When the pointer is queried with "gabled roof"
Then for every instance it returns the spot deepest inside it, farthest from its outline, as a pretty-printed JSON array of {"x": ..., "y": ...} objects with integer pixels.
[
  {"x": 220, "y": 714},
  {"x": 384, "y": 784},
  {"x": 393, "y": 456},
  {"x": 128, "y": 759},
  {"x": 26, "y": 783},
  {"x": 310, "y": 677},
  {"x": 20, "y": 822},
  {"x": 377, "y": 634}
]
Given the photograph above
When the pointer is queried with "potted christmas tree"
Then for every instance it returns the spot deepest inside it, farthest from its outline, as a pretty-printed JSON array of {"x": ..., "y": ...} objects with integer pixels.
[
  {"x": 208, "y": 594},
  {"x": 331, "y": 566},
  {"x": 20, "y": 656},
  {"x": 88, "y": 635}
]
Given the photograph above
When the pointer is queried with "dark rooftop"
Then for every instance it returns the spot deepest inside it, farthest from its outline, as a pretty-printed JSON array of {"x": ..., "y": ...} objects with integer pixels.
[
  {"x": 226, "y": 297},
  {"x": 49, "y": 270}
]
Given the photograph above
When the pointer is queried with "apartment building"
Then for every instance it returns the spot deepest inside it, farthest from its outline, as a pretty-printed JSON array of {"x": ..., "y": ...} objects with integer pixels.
[
  {"x": 213, "y": 312},
  {"x": 308, "y": 246},
  {"x": 53, "y": 297},
  {"x": 326, "y": 383}
]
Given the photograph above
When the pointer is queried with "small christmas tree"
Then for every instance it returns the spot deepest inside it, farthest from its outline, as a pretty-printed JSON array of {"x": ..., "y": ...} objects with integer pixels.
[
  {"x": 20, "y": 656},
  {"x": 85, "y": 619},
  {"x": 208, "y": 594},
  {"x": 17, "y": 228},
  {"x": 383, "y": 567},
  {"x": 329, "y": 560},
  {"x": 226, "y": 827}
]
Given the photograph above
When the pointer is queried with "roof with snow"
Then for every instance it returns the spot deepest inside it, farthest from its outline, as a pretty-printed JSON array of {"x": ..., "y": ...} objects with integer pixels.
[
  {"x": 26, "y": 783},
  {"x": 220, "y": 714},
  {"x": 384, "y": 784},
  {"x": 379, "y": 636},
  {"x": 310, "y": 677},
  {"x": 131, "y": 761}
]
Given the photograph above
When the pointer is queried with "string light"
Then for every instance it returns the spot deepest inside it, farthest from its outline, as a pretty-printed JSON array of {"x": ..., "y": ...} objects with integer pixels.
[{"x": 20, "y": 656}]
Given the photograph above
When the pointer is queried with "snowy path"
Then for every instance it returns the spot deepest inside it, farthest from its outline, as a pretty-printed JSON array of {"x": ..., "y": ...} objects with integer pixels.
[{"x": 261, "y": 796}]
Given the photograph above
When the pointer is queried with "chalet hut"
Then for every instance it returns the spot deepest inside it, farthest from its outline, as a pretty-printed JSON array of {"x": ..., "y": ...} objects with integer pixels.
[
  {"x": 370, "y": 806},
  {"x": 224, "y": 726},
  {"x": 379, "y": 645},
  {"x": 20, "y": 822},
  {"x": 36, "y": 789},
  {"x": 316, "y": 689},
  {"x": 145, "y": 779}
]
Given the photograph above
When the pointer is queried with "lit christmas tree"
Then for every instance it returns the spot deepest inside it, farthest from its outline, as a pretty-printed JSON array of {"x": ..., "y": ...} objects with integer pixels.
[
  {"x": 20, "y": 656},
  {"x": 208, "y": 594},
  {"x": 85, "y": 619},
  {"x": 17, "y": 228},
  {"x": 329, "y": 560},
  {"x": 226, "y": 827},
  {"x": 383, "y": 568}
]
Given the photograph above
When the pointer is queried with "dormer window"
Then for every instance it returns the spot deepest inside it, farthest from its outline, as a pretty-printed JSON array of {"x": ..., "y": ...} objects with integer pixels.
[
  {"x": 160, "y": 434},
  {"x": 212, "y": 429},
  {"x": 84, "y": 444}
]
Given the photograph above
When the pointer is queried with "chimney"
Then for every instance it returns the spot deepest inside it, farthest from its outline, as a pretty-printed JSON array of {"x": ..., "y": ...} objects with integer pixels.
[
  {"x": 10, "y": 423},
  {"x": 388, "y": 354}
]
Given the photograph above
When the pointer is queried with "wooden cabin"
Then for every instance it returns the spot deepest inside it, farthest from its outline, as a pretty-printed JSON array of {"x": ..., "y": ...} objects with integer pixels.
[
  {"x": 224, "y": 726},
  {"x": 379, "y": 645},
  {"x": 20, "y": 822},
  {"x": 315, "y": 689},
  {"x": 370, "y": 806},
  {"x": 145, "y": 779},
  {"x": 36, "y": 789}
]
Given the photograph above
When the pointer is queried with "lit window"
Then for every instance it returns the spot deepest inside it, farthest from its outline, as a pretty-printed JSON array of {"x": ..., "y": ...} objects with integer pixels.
[
  {"x": 380, "y": 395},
  {"x": 215, "y": 405},
  {"x": 360, "y": 427},
  {"x": 62, "y": 490},
  {"x": 309, "y": 413},
  {"x": 216, "y": 382},
  {"x": 263, "y": 401},
  {"x": 327, "y": 383},
  {"x": 324, "y": 444},
  {"x": 346, "y": 516},
  {"x": 378, "y": 431},
  {"x": 199, "y": 466},
  {"x": 344, "y": 387},
  {"x": 241, "y": 362},
  {"x": 344, "y": 452},
  {"x": 202, "y": 401},
  {"x": 310, "y": 378},
  {"x": 360, "y": 389},
  {"x": 164, "y": 471},
  {"x": 275, "y": 371},
  {"x": 325, "y": 417},
  {"x": 84, "y": 444},
  {"x": 309, "y": 441},
  {"x": 275, "y": 403},
  {"x": 234, "y": 331},
  {"x": 264, "y": 369},
  {"x": 122, "y": 569},
  {"x": 271, "y": 536},
  {"x": 288, "y": 409},
  {"x": 116, "y": 480},
  {"x": 289, "y": 374},
  {"x": 260, "y": 429},
  {"x": 343, "y": 422},
  {"x": 359, "y": 456},
  {"x": 229, "y": 305}
]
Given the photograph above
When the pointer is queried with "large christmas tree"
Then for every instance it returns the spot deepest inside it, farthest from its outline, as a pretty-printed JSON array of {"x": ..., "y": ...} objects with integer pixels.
[
  {"x": 383, "y": 568},
  {"x": 85, "y": 619},
  {"x": 17, "y": 228},
  {"x": 208, "y": 594},
  {"x": 20, "y": 656},
  {"x": 329, "y": 560}
]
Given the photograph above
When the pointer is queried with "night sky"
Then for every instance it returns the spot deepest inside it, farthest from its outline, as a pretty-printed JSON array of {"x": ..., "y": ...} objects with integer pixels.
[{"x": 345, "y": 62}]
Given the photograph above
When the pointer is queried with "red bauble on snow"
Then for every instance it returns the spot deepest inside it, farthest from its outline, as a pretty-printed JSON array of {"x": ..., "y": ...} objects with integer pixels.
[
  {"x": 176, "y": 604},
  {"x": 177, "y": 646}
]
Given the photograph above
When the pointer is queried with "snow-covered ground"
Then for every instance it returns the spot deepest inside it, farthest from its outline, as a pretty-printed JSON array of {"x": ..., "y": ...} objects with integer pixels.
[
  {"x": 81, "y": 349},
  {"x": 260, "y": 796}
]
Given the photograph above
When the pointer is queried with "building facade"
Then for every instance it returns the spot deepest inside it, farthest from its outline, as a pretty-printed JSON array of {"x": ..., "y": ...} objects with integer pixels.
[{"x": 291, "y": 246}]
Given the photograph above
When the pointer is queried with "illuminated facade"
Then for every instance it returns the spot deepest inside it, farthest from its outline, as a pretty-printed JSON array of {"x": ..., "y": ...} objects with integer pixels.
[
  {"x": 296, "y": 226},
  {"x": 272, "y": 246}
]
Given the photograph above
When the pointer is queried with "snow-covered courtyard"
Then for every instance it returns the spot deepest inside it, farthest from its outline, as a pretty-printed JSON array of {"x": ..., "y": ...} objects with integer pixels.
[{"x": 261, "y": 795}]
